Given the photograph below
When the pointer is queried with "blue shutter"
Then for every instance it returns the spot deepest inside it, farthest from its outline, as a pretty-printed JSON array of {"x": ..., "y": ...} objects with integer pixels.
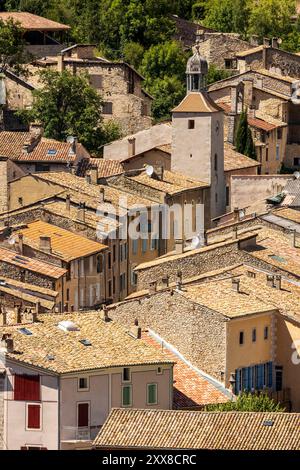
[
  {"x": 237, "y": 381},
  {"x": 270, "y": 374},
  {"x": 260, "y": 379}
]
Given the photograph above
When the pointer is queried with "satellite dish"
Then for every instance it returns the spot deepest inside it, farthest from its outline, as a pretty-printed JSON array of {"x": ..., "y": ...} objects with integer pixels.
[
  {"x": 297, "y": 175},
  {"x": 149, "y": 170},
  {"x": 196, "y": 243},
  {"x": 71, "y": 139},
  {"x": 11, "y": 240}
]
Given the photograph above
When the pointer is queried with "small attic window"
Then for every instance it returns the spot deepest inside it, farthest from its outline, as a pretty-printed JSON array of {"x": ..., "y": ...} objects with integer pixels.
[
  {"x": 67, "y": 325},
  {"x": 191, "y": 124},
  {"x": 51, "y": 152},
  {"x": 24, "y": 331}
]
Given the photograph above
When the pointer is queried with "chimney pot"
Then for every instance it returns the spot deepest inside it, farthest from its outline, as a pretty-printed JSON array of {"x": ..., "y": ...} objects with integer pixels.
[
  {"x": 136, "y": 330},
  {"x": 179, "y": 280},
  {"x": 236, "y": 284},
  {"x": 81, "y": 212},
  {"x": 45, "y": 244},
  {"x": 3, "y": 317},
  {"x": 20, "y": 243},
  {"x": 179, "y": 246},
  {"x": 104, "y": 314},
  {"x": 131, "y": 147},
  {"x": 68, "y": 202},
  {"x": 234, "y": 233},
  {"x": 88, "y": 178},
  {"x": 270, "y": 280},
  {"x": 277, "y": 281},
  {"x": 101, "y": 195},
  {"x": 8, "y": 343},
  {"x": 152, "y": 287},
  {"x": 94, "y": 174}
]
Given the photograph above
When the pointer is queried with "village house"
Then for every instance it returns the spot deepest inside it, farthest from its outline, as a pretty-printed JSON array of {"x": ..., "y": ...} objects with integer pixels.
[
  {"x": 83, "y": 259},
  {"x": 154, "y": 429},
  {"x": 62, "y": 374}
]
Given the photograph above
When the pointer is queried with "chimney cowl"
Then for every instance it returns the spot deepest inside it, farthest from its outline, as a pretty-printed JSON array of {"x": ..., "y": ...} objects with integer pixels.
[
  {"x": 136, "y": 330},
  {"x": 152, "y": 287},
  {"x": 104, "y": 314}
]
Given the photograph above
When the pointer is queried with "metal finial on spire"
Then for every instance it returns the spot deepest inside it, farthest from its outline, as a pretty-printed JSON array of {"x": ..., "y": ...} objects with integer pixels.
[{"x": 196, "y": 71}]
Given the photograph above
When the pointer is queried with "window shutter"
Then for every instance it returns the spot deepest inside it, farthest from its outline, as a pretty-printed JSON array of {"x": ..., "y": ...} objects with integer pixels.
[
  {"x": 83, "y": 415},
  {"x": 237, "y": 381},
  {"x": 152, "y": 394},
  {"x": 270, "y": 374},
  {"x": 33, "y": 417},
  {"x": 27, "y": 387},
  {"x": 126, "y": 396}
]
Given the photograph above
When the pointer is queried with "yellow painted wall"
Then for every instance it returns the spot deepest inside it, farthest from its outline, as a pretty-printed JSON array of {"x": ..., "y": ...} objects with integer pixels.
[
  {"x": 249, "y": 353},
  {"x": 31, "y": 189},
  {"x": 287, "y": 333}
]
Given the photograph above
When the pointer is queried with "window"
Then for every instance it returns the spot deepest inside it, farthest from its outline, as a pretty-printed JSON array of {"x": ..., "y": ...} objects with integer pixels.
[
  {"x": 40, "y": 167},
  {"x": 27, "y": 387},
  {"x": 134, "y": 247},
  {"x": 266, "y": 332},
  {"x": 230, "y": 63},
  {"x": 297, "y": 161},
  {"x": 227, "y": 196},
  {"x": 96, "y": 81},
  {"x": 216, "y": 162},
  {"x": 279, "y": 133},
  {"x": 278, "y": 378},
  {"x": 126, "y": 374},
  {"x": 267, "y": 154},
  {"x": 99, "y": 264},
  {"x": 109, "y": 260},
  {"x": 151, "y": 394},
  {"x": 114, "y": 284},
  {"x": 114, "y": 254},
  {"x": 68, "y": 294},
  {"x": 144, "y": 245},
  {"x": 107, "y": 107},
  {"x": 254, "y": 335},
  {"x": 126, "y": 395},
  {"x": 33, "y": 417},
  {"x": 191, "y": 124},
  {"x": 154, "y": 243},
  {"x": 109, "y": 288},
  {"x": 255, "y": 377},
  {"x": 83, "y": 415},
  {"x": 159, "y": 371},
  {"x": 83, "y": 383},
  {"x": 277, "y": 152},
  {"x": 133, "y": 278},
  {"x": 241, "y": 337}
]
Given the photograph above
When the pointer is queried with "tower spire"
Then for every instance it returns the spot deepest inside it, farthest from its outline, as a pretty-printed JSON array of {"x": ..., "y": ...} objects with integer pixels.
[{"x": 196, "y": 71}]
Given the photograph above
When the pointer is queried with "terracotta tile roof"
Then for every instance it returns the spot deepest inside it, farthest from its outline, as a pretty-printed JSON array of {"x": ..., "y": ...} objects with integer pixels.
[
  {"x": 29, "y": 288},
  {"x": 251, "y": 51},
  {"x": 169, "y": 429},
  {"x": 31, "y": 264},
  {"x": 197, "y": 103},
  {"x": 289, "y": 214},
  {"x": 65, "y": 245},
  {"x": 92, "y": 220},
  {"x": 165, "y": 148},
  {"x": 225, "y": 106},
  {"x": 91, "y": 191},
  {"x": 260, "y": 124},
  {"x": 190, "y": 388},
  {"x": 49, "y": 150},
  {"x": 234, "y": 160},
  {"x": 32, "y": 22},
  {"x": 255, "y": 295},
  {"x": 283, "y": 78},
  {"x": 111, "y": 344},
  {"x": 19, "y": 294},
  {"x": 11, "y": 143},
  {"x": 107, "y": 167},
  {"x": 172, "y": 182}
]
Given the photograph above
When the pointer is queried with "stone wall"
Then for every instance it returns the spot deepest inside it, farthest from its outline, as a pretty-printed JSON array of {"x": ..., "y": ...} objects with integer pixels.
[
  {"x": 197, "y": 332},
  {"x": 191, "y": 263},
  {"x": 217, "y": 47},
  {"x": 23, "y": 275},
  {"x": 2, "y": 389}
]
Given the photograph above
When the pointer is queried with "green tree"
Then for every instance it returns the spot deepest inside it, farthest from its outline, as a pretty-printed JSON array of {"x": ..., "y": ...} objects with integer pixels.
[
  {"x": 215, "y": 74},
  {"x": 243, "y": 141},
  {"x": 167, "y": 93},
  {"x": 12, "y": 52},
  {"x": 67, "y": 105},
  {"x": 248, "y": 402},
  {"x": 164, "y": 60},
  {"x": 133, "y": 53},
  {"x": 228, "y": 15},
  {"x": 271, "y": 18}
]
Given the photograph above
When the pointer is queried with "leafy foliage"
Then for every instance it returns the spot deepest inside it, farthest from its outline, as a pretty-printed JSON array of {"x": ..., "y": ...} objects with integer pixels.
[
  {"x": 248, "y": 402},
  {"x": 67, "y": 105},
  {"x": 215, "y": 74},
  {"x": 243, "y": 140},
  {"x": 12, "y": 52}
]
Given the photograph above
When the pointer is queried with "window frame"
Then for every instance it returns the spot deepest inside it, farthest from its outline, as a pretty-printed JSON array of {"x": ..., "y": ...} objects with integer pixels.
[
  {"x": 123, "y": 380},
  {"x": 39, "y": 405},
  {"x": 122, "y": 396},
  {"x": 241, "y": 335},
  {"x": 77, "y": 414},
  {"x": 156, "y": 394},
  {"x": 86, "y": 389}
]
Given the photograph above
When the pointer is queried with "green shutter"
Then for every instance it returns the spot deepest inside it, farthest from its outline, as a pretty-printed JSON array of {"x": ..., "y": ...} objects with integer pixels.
[
  {"x": 152, "y": 394},
  {"x": 126, "y": 399}
]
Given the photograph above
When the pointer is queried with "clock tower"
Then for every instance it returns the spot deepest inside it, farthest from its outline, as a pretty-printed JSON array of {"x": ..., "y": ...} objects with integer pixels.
[{"x": 197, "y": 135}]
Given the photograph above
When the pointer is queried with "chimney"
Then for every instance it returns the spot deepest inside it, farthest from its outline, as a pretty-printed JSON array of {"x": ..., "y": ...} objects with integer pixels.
[
  {"x": 136, "y": 330},
  {"x": 179, "y": 280},
  {"x": 266, "y": 42},
  {"x": 293, "y": 238},
  {"x": 104, "y": 314},
  {"x": 265, "y": 57},
  {"x": 254, "y": 40},
  {"x": 3, "y": 317},
  {"x": 234, "y": 233},
  {"x": 81, "y": 212},
  {"x": 68, "y": 202},
  {"x": 236, "y": 284},
  {"x": 275, "y": 43},
  {"x": 20, "y": 243},
  {"x": 166, "y": 280},
  {"x": 131, "y": 146},
  {"x": 179, "y": 246},
  {"x": 277, "y": 282},
  {"x": 7, "y": 343},
  {"x": 159, "y": 171},
  {"x": 18, "y": 312},
  {"x": 101, "y": 195},
  {"x": 94, "y": 174},
  {"x": 88, "y": 178},
  {"x": 37, "y": 310},
  {"x": 45, "y": 244},
  {"x": 236, "y": 212},
  {"x": 152, "y": 287},
  {"x": 200, "y": 35},
  {"x": 60, "y": 63},
  {"x": 270, "y": 280}
]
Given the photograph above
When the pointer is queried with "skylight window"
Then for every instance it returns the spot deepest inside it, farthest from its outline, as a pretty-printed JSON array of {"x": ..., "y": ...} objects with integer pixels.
[
  {"x": 278, "y": 258},
  {"x": 85, "y": 342},
  {"x": 51, "y": 152},
  {"x": 21, "y": 259},
  {"x": 67, "y": 325},
  {"x": 25, "y": 331}
]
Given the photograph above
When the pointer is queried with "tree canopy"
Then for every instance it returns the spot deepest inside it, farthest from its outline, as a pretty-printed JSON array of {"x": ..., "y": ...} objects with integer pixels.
[
  {"x": 12, "y": 52},
  {"x": 243, "y": 140},
  {"x": 248, "y": 402},
  {"x": 67, "y": 105}
]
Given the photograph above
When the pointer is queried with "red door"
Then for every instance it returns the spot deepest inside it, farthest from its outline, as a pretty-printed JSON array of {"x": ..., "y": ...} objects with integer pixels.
[{"x": 83, "y": 415}]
